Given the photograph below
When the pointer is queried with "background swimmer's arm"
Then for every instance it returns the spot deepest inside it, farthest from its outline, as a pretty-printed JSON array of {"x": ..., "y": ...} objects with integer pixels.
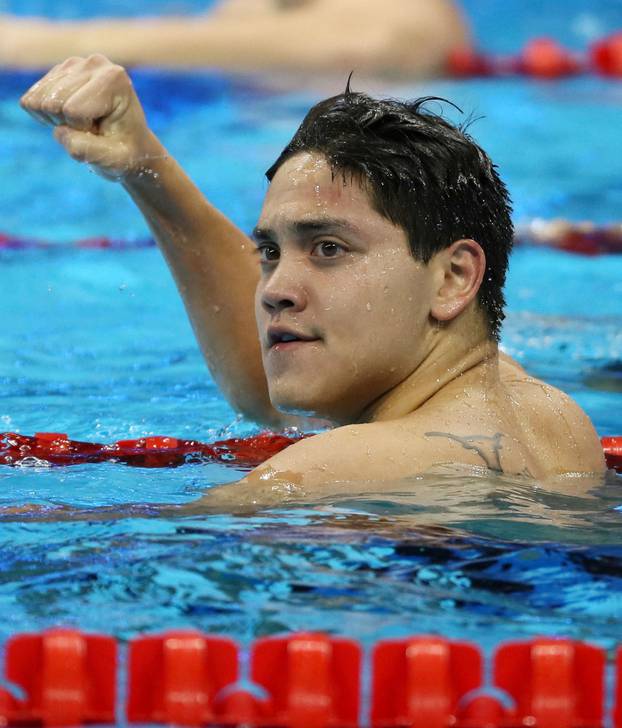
[
  {"x": 202, "y": 40},
  {"x": 99, "y": 120},
  {"x": 411, "y": 37}
]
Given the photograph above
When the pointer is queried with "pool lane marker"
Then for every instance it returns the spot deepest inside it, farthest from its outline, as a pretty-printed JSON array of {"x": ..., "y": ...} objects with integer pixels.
[
  {"x": 541, "y": 58},
  {"x": 583, "y": 238},
  {"x": 308, "y": 680}
]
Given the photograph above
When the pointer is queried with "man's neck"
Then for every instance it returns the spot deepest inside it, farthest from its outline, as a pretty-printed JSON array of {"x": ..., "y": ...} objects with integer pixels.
[{"x": 454, "y": 359}]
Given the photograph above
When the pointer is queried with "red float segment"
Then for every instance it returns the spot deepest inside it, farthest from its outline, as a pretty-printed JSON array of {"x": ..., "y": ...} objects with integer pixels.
[
  {"x": 582, "y": 238},
  {"x": 468, "y": 62},
  {"x": 540, "y": 58},
  {"x": 313, "y": 681},
  {"x": 55, "y": 441},
  {"x": 612, "y": 447},
  {"x": 555, "y": 683},
  {"x": 617, "y": 705},
  {"x": 174, "y": 678},
  {"x": 545, "y": 58},
  {"x": 485, "y": 711},
  {"x": 241, "y": 708},
  {"x": 606, "y": 55},
  {"x": 419, "y": 682},
  {"x": 147, "y": 452},
  {"x": 68, "y": 678}
]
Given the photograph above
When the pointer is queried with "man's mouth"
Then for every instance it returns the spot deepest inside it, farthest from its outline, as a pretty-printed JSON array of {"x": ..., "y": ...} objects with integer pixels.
[{"x": 281, "y": 339}]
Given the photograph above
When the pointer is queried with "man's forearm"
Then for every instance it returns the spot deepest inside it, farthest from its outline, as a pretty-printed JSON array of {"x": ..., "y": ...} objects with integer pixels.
[
  {"x": 213, "y": 265},
  {"x": 97, "y": 117}
]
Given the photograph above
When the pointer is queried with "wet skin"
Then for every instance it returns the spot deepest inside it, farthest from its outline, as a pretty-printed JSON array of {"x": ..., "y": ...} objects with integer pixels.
[
  {"x": 395, "y": 352},
  {"x": 336, "y": 272}
]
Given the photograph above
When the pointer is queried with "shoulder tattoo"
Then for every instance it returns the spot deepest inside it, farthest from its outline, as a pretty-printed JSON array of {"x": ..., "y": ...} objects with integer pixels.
[{"x": 486, "y": 446}]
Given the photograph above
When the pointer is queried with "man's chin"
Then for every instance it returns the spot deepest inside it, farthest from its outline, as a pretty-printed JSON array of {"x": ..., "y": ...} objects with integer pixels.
[
  {"x": 308, "y": 406},
  {"x": 289, "y": 406}
]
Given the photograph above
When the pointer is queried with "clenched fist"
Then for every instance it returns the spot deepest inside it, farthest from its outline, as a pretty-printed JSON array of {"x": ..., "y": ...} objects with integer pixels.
[{"x": 96, "y": 114}]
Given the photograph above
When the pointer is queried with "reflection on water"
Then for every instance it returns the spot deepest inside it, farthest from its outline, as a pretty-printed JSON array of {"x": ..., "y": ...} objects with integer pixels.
[
  {"x": 572, "y": 509},
  {"x": 476, "y": 557}
]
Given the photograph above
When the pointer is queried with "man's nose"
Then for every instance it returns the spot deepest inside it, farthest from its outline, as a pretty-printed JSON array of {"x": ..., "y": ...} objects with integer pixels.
[{"x": 284, "y": 289}]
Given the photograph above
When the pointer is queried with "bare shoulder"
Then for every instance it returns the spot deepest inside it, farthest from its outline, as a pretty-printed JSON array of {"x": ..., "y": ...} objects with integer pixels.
[
  {"x": 560, "y": 430},
  {"x": 346, "y": 459},
  {"x": 373, "y": 452},
  {"x": 367, "y": 458},
  {"x": 534, "y": 429},
  {"x": 548, "y": 434}
]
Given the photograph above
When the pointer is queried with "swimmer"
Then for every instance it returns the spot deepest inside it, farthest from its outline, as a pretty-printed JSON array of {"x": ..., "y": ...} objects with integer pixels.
[
  {"x": 370, "y": 295},
  {"x": 394, "y": 37}
]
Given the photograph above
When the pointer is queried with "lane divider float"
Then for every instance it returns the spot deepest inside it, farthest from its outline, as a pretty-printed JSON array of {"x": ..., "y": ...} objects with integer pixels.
[
  {"x": 55, "y": 448},
  {"x": 100, "y": 242},
  {"x": 585, "y": 238},
  {"x": 65, "y": 677},
  {"x": 242, "y": 453},
  {"x": 542, "y": 58}
]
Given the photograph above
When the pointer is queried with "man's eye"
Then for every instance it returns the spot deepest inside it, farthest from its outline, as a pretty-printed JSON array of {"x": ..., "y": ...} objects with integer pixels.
[
  {"x": 268, "y": 253},
  {"x": 328, "y": 249}
]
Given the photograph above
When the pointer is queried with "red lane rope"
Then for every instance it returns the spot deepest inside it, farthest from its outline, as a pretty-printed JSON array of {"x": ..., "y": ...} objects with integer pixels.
[
  {"x": 55, "y": 448},
  {"x": 584, "y": 238},
  {"x": 243, "y": 453},
  {"x": 612, "y": 447},
  {"x": 308, "y": 680},
  {"x": 541, "y": 58},
  {"x": 14, "y": 242}
]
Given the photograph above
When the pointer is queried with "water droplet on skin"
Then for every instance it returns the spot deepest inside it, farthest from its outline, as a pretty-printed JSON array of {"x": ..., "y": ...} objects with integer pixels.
[
  {"x": 216, "y": 309},
  {"x": 368, "y": 306}
]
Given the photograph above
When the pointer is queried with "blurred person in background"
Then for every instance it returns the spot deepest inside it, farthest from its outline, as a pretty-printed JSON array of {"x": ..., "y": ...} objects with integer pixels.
[{"x": 392, "y": 37}]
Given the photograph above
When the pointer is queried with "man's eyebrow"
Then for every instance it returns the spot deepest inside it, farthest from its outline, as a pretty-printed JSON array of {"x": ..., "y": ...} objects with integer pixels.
[
  {"x": 307, "y": 227},
  {"x": 261, "y": 235}
]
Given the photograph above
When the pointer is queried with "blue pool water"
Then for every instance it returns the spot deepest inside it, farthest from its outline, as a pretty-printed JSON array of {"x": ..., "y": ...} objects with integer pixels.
[{"x": 96, "y": 344}]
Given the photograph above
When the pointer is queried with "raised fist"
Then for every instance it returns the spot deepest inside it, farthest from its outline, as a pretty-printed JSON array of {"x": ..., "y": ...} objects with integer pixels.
[{"x": 96, "y": 114}]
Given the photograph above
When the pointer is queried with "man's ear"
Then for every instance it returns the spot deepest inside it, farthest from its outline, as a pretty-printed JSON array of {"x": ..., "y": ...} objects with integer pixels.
[{"x": 458, "y": 273}]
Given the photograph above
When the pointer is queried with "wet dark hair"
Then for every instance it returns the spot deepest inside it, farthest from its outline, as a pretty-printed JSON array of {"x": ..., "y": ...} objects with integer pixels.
[{"x": 422, "y": 173}]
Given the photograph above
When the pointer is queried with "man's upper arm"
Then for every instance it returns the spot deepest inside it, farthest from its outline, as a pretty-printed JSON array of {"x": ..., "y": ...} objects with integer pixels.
[
  {"x": 352, "y": 452},
  {"x": 353, "y": 458}
]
